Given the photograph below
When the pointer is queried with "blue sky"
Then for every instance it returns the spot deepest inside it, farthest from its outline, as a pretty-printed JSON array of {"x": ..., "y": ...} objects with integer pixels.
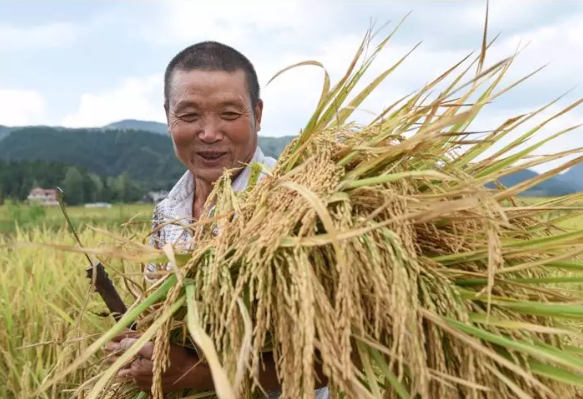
[{"x": 91, "y": 63}]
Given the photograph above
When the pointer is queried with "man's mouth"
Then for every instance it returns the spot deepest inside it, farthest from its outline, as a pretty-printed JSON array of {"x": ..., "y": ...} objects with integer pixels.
[{"x": 210, "y": 155}]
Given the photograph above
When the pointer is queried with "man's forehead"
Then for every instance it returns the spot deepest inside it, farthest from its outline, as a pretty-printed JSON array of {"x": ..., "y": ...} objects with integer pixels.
[
  {"x": 219, "y": 85},
  {"x": 200, "y": 77}
]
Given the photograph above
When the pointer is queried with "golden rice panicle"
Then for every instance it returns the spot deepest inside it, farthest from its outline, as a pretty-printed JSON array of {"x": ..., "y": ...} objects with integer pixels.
[{"x": 380, "y": 252}]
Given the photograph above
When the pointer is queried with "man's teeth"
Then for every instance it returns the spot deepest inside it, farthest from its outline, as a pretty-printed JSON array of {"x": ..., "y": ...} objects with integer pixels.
[{"x": 211, "y": 155}]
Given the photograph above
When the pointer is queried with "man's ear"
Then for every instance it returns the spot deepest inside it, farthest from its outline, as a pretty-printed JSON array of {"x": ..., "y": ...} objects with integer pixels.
[{"x": 258, "y": 114}]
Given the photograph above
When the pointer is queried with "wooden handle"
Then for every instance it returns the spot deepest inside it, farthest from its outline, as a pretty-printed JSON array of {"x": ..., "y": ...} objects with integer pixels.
[{"x": 104, "y": 287}]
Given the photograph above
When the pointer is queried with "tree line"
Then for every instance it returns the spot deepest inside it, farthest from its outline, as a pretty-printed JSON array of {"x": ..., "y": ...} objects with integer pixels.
[
  {"x": 145, "y": 157},
  {"x": 17, "y": 178},
  {"x": 94, "y": 165}
]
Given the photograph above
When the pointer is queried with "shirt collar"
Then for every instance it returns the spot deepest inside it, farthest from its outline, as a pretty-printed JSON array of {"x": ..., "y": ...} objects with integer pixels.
[{"x": 181, "y": 195}]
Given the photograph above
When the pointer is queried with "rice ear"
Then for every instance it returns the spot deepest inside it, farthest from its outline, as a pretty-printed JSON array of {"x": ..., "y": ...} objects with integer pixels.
[{"x": 378, "y": 252}]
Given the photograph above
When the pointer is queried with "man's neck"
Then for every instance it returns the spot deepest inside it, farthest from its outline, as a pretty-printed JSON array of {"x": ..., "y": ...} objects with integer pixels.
[{"x": 201, "y": 192}]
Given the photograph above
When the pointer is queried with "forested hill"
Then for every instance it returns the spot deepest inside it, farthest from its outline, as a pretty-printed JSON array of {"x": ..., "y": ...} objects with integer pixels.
[
  {"x": 133, "y": 124},
  {"x": 4, "y": 131},
  {"x": 144, "y": 157},
  {"x": 142, "y": 151}
]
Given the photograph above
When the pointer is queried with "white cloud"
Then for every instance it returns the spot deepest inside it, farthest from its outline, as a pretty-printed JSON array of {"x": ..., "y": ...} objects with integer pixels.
[
  {"x": 294, "y": 95},
  {"x": 234, "y": 22},
  {"x": 22, "y": 107},
  {"x": 275, "y": 35},
  {"x": 502, "y": 14},
  {"x": 135, "y": 98},
  {"x": 44, "y": 36},
  {"x": 555, "y": 44},
  {"x": 492, "y": 119}
]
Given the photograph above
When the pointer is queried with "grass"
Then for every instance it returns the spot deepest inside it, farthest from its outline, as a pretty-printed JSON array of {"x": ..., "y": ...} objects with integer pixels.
[
  {"x": 573, "y": 223},
  {"x": 43, "y": 293},
  {"x": 26, "y": 217}
]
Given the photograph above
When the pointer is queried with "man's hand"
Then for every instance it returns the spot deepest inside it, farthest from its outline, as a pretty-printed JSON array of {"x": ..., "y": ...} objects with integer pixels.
[{"x": 184, "y": 371}]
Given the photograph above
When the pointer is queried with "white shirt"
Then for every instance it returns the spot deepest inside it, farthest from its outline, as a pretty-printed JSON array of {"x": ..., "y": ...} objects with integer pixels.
[{"x": 177, "y": 207}]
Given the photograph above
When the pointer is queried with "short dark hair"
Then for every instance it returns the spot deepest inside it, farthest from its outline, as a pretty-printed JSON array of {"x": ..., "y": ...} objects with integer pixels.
[{"x": 212, "y": 56}]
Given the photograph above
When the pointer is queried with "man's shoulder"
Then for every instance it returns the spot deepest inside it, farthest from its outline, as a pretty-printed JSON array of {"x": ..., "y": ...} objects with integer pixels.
[
  {"x": 264, "y": 159},
  {"x": 269, "y": 161}
]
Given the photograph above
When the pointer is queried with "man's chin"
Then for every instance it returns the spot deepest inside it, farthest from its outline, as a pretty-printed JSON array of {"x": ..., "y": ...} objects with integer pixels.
[{"x": 209, "y": 175}]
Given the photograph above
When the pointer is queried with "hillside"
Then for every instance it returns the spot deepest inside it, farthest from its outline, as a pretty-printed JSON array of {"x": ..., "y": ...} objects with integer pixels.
[
  {"x": 4, "y": 131},
  {"x": 552, "y": 187},
  {"x": 144, "y": 151},
  {"x": 132, "y": 124},
  {"x": 574, "y": 175},
  {"x": 145, "y": 156}
]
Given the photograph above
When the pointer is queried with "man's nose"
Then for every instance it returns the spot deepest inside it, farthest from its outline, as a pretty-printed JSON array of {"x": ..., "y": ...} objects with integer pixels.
[{"x": 209, "y": 131}]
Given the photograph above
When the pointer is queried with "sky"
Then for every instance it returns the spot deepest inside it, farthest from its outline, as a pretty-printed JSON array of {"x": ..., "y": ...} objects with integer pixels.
[{"x": 87, "y": 64}]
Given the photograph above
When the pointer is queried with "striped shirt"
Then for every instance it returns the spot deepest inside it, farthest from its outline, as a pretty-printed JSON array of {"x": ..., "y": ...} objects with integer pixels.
[{"x": 177, "y": 209}]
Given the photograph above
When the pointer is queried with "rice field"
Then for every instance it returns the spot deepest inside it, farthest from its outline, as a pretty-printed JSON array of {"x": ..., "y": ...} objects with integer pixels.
[
  {"x": 24, "y": 217},
  {"x": 573, "y": 223},
  {"x": 43, "y": 292}
]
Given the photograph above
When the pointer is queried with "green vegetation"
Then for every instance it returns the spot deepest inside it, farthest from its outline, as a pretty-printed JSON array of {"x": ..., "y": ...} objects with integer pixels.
[
  {"x": 17, "y": 178},
  {"x": 47, "y": 317},
  {"x": 144, "y": 157},
  {"x": 17, "y": 217}
]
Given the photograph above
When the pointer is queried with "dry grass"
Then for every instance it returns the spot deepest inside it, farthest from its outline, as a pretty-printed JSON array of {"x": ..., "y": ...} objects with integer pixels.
[{"x": 43, "y": 292}]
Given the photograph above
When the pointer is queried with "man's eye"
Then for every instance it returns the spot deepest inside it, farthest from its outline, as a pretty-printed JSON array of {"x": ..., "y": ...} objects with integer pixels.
[
  {"x": 229, "y": 115},
  {"x": 189, "y": 117}
]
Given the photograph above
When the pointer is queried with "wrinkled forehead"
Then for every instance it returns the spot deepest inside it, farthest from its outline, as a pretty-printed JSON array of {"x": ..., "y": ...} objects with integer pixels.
[{"x": 208, "y": 88}]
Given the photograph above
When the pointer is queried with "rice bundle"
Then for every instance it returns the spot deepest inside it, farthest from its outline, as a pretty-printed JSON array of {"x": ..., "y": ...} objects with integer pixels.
[{"x": 384, "y": 253}]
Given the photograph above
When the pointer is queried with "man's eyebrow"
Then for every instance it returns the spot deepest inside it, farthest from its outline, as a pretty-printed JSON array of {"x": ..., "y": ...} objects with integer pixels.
[
  {"x": 230, "y": 103},
  {"x": 186, "y": 103},
  {"x": 191, "y": 103}
]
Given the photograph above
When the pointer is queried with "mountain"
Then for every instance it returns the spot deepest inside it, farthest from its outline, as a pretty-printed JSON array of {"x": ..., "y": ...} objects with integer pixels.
[
  {"x": 145, "y": 156},
  {"x": 144, "y": 151},
  {"x": 574, "y": 175},
  {"x": 4, "y": 130},
  {"x": 554, "y": 186},
  {"x": 133, "y": 124}
]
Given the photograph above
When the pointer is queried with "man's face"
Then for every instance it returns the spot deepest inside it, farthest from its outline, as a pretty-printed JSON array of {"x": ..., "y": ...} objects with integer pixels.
[{"x": 211, "y": 121}]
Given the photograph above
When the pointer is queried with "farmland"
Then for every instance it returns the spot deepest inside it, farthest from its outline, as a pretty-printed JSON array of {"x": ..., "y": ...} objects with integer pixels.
[
  {"x": 49, "y": 319},
  {"x": 13, "y": 216},
  {"x": 43, "y": 292}
]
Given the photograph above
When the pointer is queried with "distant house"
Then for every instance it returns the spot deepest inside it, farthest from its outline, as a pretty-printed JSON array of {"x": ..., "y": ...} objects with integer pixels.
[{"x": 43, "y": 196}]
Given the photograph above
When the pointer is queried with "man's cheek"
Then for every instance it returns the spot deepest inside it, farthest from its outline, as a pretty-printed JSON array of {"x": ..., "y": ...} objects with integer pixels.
[{"x": 183, "y": 136}]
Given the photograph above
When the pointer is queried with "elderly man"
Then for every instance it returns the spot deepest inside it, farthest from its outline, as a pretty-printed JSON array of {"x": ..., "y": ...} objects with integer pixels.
[{"x": 213, "y": 110}]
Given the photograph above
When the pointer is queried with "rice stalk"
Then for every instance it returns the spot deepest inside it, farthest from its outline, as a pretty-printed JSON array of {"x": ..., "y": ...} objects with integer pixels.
[{"x": 380, "y": 253}]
